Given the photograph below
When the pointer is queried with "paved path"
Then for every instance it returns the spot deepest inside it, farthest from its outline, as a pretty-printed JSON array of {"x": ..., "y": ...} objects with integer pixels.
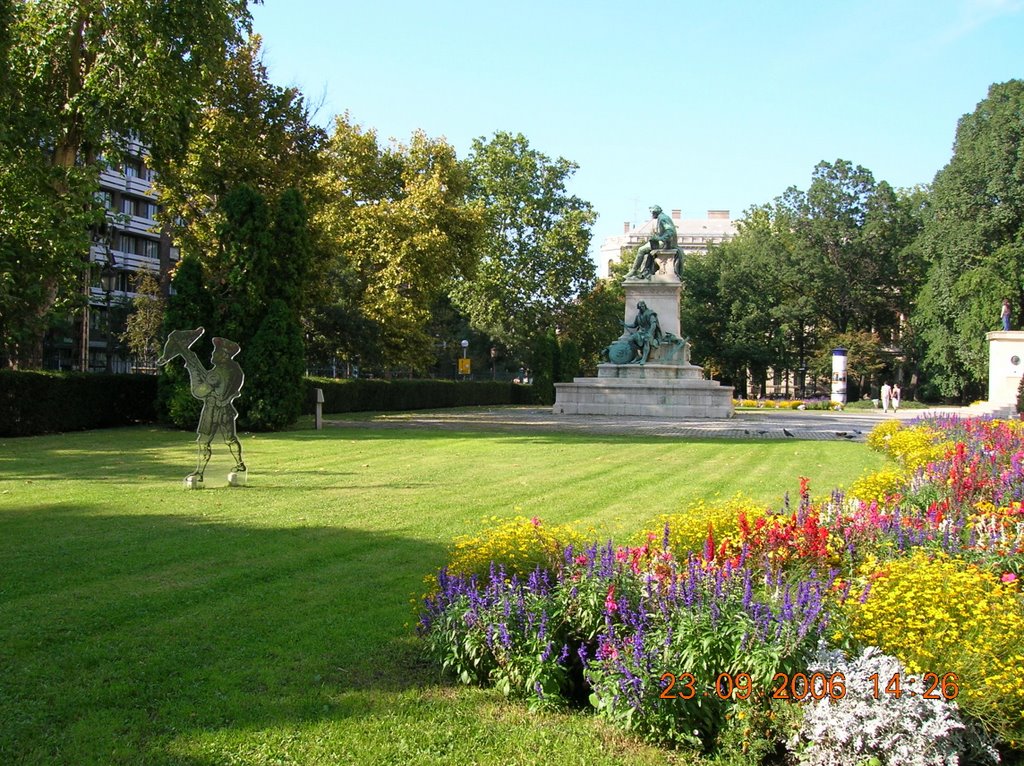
[{"x": 767, "y": 424}]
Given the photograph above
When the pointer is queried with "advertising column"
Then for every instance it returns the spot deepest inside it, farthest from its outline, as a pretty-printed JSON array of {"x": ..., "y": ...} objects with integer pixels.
[{"x": 839, "y": 375}]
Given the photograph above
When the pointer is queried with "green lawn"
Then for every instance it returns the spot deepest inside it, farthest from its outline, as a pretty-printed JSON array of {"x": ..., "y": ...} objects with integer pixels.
[{"x": 144, "y": 624}]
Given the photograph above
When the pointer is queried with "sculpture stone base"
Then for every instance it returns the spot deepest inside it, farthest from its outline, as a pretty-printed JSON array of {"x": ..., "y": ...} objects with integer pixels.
[
  {"x": 666, "y": 385},
  {"x": 193, "y": 482},
  {"x": 645, "y": 390},
  {"x": 237, "y": 478}
]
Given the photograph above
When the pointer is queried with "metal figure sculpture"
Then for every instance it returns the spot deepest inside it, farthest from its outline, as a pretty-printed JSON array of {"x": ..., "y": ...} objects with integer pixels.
[
  {"x": 663, "y": 240},
  {"x": 217, "y": 388}
]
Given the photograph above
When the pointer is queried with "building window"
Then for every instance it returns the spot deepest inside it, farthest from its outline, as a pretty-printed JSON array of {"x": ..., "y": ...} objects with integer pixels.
[{"x": 136, "y": 168}]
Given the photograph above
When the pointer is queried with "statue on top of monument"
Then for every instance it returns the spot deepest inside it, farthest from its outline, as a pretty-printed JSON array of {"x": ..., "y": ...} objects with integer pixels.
[{"x": 663, "y": 238}]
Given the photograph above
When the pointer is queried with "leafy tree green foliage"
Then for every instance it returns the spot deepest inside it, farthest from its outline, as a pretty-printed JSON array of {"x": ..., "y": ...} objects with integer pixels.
[
  {"x": 249, "y": 132},
  {"x": 702, "y": 316},
  {"x": 274, "y": 364},
  {"x": 144, "y": 325},
  {"x": 974, "y": 241},
  {"x": 247, "y": 291},
  {"x": 79, "y": 77},
  {"x": 837, "y": 258},
  {"x": 745, "y": 305},
  {"x": 401, "y": 230},
  {"x": 590, "y": 323},
  {"x": 852, "y": 237},
  {"x": 546, "y": 365},
  {"x": 534, "y": 261}
]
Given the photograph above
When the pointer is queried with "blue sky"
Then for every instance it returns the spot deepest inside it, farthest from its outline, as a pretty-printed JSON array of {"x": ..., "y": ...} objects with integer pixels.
[{"x": 698, "y": 106}]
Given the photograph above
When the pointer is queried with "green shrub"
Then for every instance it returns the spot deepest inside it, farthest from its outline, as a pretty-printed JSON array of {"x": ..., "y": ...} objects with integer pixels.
[
  {"x": 272, "y": 396},
  {"x": 346, "y": 395},
  {"x": 34, "y": 402}
]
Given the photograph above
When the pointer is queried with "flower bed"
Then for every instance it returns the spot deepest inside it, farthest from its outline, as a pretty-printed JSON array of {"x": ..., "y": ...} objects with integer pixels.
[
  {"x": 788, "y": 404},
  {"x": 885, "y": 624}
]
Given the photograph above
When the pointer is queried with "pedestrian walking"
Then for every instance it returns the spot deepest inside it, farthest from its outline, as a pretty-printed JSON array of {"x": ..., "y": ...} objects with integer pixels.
[{"x": 886, "y": 396}]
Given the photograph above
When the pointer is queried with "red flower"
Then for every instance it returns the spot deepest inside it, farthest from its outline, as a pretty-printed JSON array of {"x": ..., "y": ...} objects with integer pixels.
[
  {"x": 805, "y": 487},
  {"x": 609, "y": 602}
]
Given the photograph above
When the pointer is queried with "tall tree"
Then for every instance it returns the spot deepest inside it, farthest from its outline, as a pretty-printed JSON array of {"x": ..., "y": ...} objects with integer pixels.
[
  {"x": 850, "y": 241},
  {"x": 248, "y": 291},
  {"x": 401, "y": 229},
  {"x": 144, "y": 325},
  {"x": 248, "y": 131},
  {"x": 534, "y": 260},
  {"x": 590, "y": 324},
  {"x": 837, "y": 258},
  {"x": 974, "y": 241},
  {"x": 83, "y": 76}
]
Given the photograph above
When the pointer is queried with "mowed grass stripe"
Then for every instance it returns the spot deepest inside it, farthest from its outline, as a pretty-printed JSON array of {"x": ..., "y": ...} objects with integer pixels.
[{"x": 140, "y": 623}]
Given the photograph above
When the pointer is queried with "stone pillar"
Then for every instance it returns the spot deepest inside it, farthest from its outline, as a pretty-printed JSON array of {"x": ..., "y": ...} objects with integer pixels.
[{"x": 1005, "y": 366}]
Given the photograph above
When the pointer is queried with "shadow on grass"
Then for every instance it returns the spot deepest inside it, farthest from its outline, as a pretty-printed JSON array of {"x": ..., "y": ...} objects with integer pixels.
[{"x": 119, "y": 633}]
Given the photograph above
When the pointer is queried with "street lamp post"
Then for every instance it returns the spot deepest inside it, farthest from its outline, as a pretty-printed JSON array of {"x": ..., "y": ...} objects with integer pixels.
[
  {"x": 494, "y": 358},
  {"x": 465, "y": 345}
]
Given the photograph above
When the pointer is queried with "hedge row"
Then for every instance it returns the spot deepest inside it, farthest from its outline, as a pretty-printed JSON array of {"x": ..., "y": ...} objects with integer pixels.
[
  {"x": 50, "y": 402},
  {"x": 344, "y": 395}
]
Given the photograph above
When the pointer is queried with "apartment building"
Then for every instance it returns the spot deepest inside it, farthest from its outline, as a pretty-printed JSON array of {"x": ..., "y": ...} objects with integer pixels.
[{"x": 131, "y": 243}]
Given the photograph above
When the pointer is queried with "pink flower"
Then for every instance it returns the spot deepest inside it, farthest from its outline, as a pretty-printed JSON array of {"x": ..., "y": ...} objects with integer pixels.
[
  {"x": 1009, "y": 577},
  {"x": 609, "y": 603},
  {"x": 535, "y": 521}
]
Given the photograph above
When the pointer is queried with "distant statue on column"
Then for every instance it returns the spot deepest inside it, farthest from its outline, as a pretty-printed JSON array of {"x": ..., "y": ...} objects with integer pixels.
[{"x": 663, "y": 238}]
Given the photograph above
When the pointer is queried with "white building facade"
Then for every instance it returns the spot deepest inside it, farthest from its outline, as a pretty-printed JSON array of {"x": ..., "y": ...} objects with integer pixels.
[{"x": 132, "y": 243}]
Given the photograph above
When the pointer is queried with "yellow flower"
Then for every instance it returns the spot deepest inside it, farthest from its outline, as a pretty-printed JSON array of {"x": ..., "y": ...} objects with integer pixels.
[{"x": 941, "y": 616}]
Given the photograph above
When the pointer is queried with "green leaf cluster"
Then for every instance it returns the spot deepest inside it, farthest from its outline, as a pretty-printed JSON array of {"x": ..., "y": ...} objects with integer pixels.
[
  {"x": 807, "y": 272},
  {"x": 974, "y": 242},
  {"x": 249, "y": 290},
  {"x": 81, "y": 78},
  {"x": 400, "y": 229},
  {"x": 534, "y": 263}
]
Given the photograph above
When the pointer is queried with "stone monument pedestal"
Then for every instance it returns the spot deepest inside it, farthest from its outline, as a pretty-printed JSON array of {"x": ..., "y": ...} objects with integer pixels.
[
  {"x": 647, "y": 390},
  {"x": 1005, "y": 368},
  {"x": 666, "y": 385}
]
